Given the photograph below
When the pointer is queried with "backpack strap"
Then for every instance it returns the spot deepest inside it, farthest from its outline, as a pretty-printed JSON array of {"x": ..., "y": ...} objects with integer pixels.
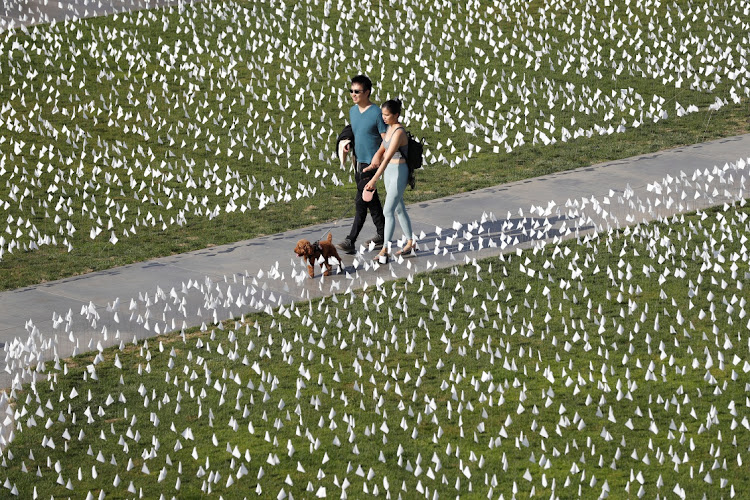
[
  {"x": 394, "y": 132},
  {"x": 400, "y": 148}
]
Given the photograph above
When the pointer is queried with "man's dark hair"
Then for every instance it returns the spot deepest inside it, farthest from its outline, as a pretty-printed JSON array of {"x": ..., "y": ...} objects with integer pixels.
[{"x": 365, "y": 82}]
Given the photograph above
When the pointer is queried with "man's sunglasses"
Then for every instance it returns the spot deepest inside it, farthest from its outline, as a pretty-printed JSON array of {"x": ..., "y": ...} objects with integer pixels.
[{"x": 355, "y": 91}]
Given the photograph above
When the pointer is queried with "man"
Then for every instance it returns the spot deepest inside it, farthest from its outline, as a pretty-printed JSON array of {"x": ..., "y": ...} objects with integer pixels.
[{"x": 368, "y": 129}]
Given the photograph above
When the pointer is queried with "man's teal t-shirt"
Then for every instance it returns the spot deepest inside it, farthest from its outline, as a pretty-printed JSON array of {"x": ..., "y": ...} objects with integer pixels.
[{"x": 367, "y": 127}]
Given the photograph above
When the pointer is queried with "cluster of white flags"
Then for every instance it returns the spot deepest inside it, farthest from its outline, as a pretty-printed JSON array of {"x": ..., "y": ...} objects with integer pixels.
[
  {"x": 512, "y": 386},
  {"x": 152, "y": 118}
]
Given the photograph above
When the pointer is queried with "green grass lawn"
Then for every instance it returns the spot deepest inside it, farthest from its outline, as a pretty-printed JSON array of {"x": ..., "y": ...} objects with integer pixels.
[
  {"x": 616, "y": 363},
  {"x": 172, "y": 130}
]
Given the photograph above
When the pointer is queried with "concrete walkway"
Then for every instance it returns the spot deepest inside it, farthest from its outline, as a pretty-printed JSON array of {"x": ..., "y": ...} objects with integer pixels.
[{"x": 105, "y": 308}]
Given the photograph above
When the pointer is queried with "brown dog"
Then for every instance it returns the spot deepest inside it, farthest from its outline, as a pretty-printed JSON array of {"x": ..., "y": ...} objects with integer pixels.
[{"x": 313, "y": 251}]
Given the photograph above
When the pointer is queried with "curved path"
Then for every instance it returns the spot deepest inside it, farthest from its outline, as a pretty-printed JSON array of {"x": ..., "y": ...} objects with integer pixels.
[{"x": 105, "y": 308}]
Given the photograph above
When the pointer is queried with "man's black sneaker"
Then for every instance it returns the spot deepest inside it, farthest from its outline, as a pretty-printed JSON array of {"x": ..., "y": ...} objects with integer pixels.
[
  {"x": 377, "y": 241},
  {"x": 347, "y": 246}
]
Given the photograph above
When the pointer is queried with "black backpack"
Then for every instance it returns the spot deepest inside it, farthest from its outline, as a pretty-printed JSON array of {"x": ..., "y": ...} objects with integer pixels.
[{"x": 414, "y": 151}]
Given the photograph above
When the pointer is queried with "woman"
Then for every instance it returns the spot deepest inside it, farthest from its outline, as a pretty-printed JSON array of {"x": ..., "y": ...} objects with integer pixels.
[{"x": 396, "y": 175}]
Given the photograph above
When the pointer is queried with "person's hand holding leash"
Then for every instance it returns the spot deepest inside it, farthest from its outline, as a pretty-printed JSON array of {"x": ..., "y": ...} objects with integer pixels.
[{"x": 368, "y": 193}]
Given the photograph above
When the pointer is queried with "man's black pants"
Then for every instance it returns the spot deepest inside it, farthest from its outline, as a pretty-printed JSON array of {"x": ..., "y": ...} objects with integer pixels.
[{"x": 361, "y": 206}]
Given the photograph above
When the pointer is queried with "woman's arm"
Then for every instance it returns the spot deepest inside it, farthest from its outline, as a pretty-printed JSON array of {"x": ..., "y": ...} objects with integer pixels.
[
  {"x": 376, "y": 159},
  {"x": 379, "y": 154},
  {"x": 395, "y": 144}
]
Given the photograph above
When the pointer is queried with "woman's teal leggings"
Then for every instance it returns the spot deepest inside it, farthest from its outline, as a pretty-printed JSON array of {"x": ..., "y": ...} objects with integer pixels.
[{"x": 396, "y": 178}]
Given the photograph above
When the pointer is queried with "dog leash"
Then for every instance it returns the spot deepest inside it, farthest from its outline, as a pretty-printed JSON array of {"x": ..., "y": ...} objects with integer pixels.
[{"x": 335, "y": 222}]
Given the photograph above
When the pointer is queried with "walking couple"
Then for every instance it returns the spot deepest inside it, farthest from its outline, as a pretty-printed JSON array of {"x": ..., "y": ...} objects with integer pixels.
[{"x": 379, "y": 141}]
